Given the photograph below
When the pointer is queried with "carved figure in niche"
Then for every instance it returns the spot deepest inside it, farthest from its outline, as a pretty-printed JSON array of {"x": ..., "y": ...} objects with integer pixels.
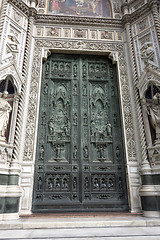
[
  {"x": 39, "y": 186},
  {"x": 120, "y": 183},
  {"x": 4, "y": 155},
  {"x": 147, "y": 52},
  {"x": 84, "y": 90},
  {"x": 85, "y": 152},
  {"x": 117, "y": 152},
  {"x": 52, "y": 32},
  {"x": 115, "y": 119},
  {"x": 44, "y": 118},
  {"x": 49, "y": 184},
  {"x": 112, "y": 91},
  {"x": 80, "y": 33},
  {"x": 103, "y": 183},
  {"x": 75, "y": 118},
  {"x": 75, "y": 152},
  {"x": 5, "y": 109},
  {"x": 64, "y": 184},
  {"x": 84, "y": 70},
  {"x": 154, "y": 114},
  {"x": 86, "y": 183},
  {"x": 109, "y": 129},
  {"x": 46, "y": 89},
  {"x": 57, "y": 183},
  {"x": 85, "y": 118},
  {"x": 92, "y": 128},
  {"x": 12, "y": 42},
  {"x": 51, "y": 126},
  {"x": 110, "y": 183},
  {"x": 58, "y": 151},
  {"x": 100, "y": 152},
  {"x": 74, "y": 183},
  {"x": 96, "y": 184},
  {"x": 106, "y": 35},
  {"x": 41, "y": 153},
  {"x": 75, "y": 70},
  {"x": 75, "y": 89}
]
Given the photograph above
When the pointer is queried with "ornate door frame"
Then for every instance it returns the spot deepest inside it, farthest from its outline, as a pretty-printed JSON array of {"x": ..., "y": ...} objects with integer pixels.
[{"x": 115, "y": 51}]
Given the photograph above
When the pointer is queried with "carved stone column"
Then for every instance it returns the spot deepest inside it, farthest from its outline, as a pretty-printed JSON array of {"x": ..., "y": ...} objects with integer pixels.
[
  {"x": 20, "y": 117},
  {"x": 142, "y": 161}
]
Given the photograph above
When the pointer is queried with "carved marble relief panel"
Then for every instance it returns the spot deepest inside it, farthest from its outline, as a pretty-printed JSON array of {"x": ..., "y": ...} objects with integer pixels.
[{"x": 94, "y": 34}]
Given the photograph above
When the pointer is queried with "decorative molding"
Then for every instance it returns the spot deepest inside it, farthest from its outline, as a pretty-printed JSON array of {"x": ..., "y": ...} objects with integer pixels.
[{"x": 73, "y": 20}]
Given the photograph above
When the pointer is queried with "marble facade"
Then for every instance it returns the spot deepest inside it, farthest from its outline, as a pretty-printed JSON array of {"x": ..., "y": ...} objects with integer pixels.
[{"x": 130, "y": 37}]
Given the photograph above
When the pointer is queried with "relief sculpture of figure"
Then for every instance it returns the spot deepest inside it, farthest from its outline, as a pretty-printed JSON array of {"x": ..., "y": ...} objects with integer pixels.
[
  {"x": 5, "y": 109},
  {"x": 154, "y": 114}
]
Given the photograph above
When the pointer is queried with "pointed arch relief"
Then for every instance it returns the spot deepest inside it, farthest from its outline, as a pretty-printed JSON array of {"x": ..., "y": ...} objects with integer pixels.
[{"x": 92, "y": 8}]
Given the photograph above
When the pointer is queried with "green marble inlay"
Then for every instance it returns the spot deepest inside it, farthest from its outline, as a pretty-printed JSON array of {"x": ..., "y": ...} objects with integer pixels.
[
  {"x": 151, "y": 179},
  {"x": 150, "y": 203},
  {"x": 9, "y": 179},
  {"x": 9, "y": 204}
]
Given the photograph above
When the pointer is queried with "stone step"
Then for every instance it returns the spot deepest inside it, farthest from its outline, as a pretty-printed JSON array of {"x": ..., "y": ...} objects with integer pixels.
[{"x": 81, "y": 226}]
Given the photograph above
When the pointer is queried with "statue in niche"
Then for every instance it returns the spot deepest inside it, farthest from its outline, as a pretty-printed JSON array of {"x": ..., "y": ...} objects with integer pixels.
[
  {"x": 58, "y": 151},
  {"x": 75, "y": 152},
  {"x": 100, "y": 152},
  {"x": 49, "y": 184},
  {"x": 147, "y": 52},
  {"x": 44, "y": 118},
  {"x": 117, "y": 152},
  {"x": 51, "y": 126},
  {"x": 120, "y": 183},
  {"x": 115, "y": 120},
  {"x": 103, "y": 183},
  {"x": 75, "y": 89},
  {"x": 5, "y": 109},
  {"x": 41, "y": 153},
  {"x": 74, "y": 183},
  {"x": 109, "y": 129},
  {"x": 92, "y": 128},
  {"x": 96, "y": 184},
  {"x": 85, "y": 118},
  {"x": 75, "y": 119},
  {"x": 84, "y": 90},
  {"x": 39, "y": 187},
  {"x": 85, "y": 152},
  {"x": 110, "y": 183},
  {"x": 46, "y": 89},
  {"x": 57, "y": 183},
  {"x": 154, "y": 114},
  {"x": 64, "y": 184},
  {"x": 86, "y": 183}
]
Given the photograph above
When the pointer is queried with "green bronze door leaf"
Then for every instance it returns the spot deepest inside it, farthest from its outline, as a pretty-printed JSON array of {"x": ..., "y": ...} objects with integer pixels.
[{"x": 79, "y": 161}]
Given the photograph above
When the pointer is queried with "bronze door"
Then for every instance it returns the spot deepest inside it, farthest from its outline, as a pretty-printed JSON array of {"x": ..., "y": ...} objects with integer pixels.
[{"x": 79, "y": 161}]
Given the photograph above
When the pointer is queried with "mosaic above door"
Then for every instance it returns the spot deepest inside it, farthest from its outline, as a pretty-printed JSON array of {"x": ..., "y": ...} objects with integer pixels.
[
  {"x": 79, "y": 161},
  {"x": 94, "y": 8}
]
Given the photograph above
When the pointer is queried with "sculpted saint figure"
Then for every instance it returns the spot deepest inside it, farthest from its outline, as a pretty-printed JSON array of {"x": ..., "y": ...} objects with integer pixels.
[
  {"x": 5, "y": 109},
  {"x": 154, "y": 114}
]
